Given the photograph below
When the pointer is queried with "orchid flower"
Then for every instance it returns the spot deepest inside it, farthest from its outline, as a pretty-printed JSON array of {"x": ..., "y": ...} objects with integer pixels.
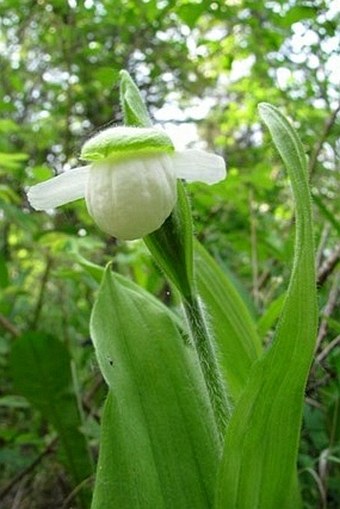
[{"x": 129, "y": 183}]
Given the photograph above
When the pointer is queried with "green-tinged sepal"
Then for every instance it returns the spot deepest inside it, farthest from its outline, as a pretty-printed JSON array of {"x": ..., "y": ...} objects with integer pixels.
[
  {"x": 134, "y": 110},
  {"x": 122, "y": 142}
]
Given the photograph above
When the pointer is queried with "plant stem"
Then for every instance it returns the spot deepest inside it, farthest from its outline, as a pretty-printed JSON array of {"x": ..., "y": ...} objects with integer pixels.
[{"x": 205, "y": 348}]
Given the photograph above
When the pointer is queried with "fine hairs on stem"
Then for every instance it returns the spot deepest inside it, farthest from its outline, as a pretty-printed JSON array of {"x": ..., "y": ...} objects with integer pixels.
[{"x": 206, "y": 351}]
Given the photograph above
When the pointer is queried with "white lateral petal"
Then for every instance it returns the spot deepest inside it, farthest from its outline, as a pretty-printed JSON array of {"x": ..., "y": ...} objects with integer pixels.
[
  {"x": 57, "y": 191},
  {"x": 197, "y": 165}
]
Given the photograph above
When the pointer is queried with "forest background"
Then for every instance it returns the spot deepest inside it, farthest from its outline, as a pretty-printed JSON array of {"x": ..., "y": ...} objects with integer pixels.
[{"x": 202, "y": 68}]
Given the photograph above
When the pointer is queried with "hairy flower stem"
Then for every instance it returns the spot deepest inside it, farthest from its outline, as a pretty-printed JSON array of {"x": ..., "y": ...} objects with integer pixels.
[{"x": 205, "y": 348}]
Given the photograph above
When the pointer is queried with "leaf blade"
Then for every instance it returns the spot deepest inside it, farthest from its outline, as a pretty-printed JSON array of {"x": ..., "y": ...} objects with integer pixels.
[
  {"x": 260, "y": 472},
  {"x": 165, "y": 450}
]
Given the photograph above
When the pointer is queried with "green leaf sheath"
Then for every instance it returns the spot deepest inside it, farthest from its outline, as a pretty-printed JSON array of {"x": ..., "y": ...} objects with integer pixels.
[
  {"x": 258, "y": 469},
  {"x": 159, "y": 443},
  {"x": 40, "y": 366}
]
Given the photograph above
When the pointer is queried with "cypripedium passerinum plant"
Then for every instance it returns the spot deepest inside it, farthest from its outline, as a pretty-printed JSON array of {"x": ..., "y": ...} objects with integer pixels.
[
  {"x": 130, "y": 184},
  {"x": 197, "y": 415}
]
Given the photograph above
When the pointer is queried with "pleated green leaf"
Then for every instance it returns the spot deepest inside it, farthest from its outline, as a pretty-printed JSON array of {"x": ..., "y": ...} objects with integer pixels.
[
  {"x": 259, "y": 463},
  {"x": 234, "y": 329},
  {"x": 159, "y": 444},
  {"x": 40, "y": 366}
]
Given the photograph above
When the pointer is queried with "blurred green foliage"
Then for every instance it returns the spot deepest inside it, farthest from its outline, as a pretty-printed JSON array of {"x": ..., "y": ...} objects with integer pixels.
[{"x": 197, "y": 63}]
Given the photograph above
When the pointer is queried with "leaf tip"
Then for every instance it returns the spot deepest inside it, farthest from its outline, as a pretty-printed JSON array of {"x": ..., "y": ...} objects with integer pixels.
[
  {"x": 123, "y": 74},
  {"x": 263, "y": 109}
]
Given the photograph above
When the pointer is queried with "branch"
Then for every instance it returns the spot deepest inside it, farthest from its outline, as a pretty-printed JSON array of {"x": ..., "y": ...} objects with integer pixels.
[
  {"x": 330, "y": 121},
  {"x": 328, "y": 310},
  {"x": 48, "y": 449},
  {"x": 9, "y": 326},
  {"x": 40, "y": 300},
  {"x": 326, "y": 351},
  {"x": 328, "y": 266}
]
